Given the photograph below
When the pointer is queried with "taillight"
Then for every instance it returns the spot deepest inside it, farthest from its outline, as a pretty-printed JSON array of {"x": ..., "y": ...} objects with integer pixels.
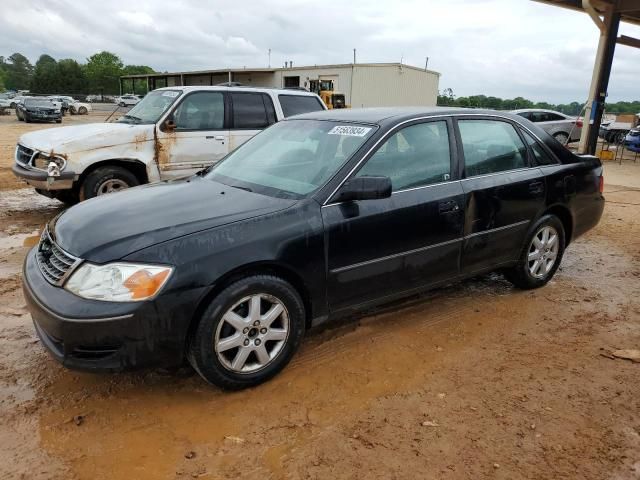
[
  {"x": 601, "y": 184},
  {"x": 579, "y": 123}
]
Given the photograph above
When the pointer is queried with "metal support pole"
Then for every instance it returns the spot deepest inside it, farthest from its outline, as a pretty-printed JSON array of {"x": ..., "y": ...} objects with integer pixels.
[{"x": 599, "y": 82}]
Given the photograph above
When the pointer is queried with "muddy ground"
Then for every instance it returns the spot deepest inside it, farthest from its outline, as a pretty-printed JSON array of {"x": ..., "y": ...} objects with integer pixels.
[{"x": 476, "y": 380}]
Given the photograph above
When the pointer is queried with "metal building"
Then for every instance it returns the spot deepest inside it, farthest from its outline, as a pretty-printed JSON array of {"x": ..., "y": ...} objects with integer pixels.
[{"x": 363, "y": 84}]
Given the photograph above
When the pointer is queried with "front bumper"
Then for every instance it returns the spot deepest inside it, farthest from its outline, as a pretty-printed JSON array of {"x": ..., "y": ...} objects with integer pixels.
[
  {"x": 40, "y": 179},
  {"x": 91, "y": 335}
]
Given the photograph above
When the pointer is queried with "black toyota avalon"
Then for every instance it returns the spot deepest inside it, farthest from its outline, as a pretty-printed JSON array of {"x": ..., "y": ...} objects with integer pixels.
[
  {"x": 316, "y": 217},
  {"x": 38, "y": 109}
]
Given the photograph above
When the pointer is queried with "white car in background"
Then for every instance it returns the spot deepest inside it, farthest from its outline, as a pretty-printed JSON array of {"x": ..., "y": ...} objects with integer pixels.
[
  {"x": 564, "y": 128},
  {"x": 173, "y": 132},
  {"x": 127, "y": 100}
]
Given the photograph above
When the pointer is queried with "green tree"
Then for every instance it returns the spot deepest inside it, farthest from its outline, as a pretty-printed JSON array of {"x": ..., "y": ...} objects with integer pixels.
[
  {"x": 18, "y": 72},
  {"x": 103, "y": 71},
  {"x": 45, "y": 76},
  {"x": 72, "y": 77},
  {"x": 140, "y": 85}
]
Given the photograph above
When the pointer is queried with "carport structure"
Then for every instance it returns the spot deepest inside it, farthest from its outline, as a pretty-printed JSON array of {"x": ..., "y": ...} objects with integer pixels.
[{"x": 607, "y": 15}]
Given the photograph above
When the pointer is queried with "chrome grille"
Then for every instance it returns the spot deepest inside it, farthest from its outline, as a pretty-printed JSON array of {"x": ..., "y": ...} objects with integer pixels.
[
  {"x": 23, "y": 154},
  {"x": 55, "y": 264}
]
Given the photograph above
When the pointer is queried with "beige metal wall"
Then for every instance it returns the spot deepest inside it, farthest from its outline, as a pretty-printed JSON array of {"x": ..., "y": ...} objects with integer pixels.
[
  {"x": 341, "y": 77},
  {"x": 393, "y": 85}
]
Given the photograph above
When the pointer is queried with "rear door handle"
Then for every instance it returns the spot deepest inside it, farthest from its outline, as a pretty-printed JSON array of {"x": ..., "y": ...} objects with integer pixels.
[{"x": 449, "y": 206}]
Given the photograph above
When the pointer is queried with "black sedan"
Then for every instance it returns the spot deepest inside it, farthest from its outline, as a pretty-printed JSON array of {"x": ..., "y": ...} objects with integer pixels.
[
  {"x": 38, "y": 109},
  {"x": 314, "y": 218}
]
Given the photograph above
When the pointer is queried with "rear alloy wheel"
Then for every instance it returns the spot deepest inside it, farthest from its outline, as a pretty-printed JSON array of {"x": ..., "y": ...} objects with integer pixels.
[
  {"x": 82, "y": 111},
  {"x": 106, "y": 180},
  {"x": 248, "y": 333},
  {"x": 541, "y": 256},
  {"x": 562, "y": 137}
]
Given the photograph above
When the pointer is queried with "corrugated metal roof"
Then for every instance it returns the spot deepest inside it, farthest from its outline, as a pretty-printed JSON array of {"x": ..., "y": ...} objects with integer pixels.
[{"x": 273, "y": 70}]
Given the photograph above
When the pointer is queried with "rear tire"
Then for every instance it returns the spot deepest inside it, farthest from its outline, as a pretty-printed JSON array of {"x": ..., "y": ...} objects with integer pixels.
[
  {"x": 82, "y": 111},
  {"x": 541, "y": 255},
  {"x": 230, "y": 350},
  {"x": 105, "y": 180}
]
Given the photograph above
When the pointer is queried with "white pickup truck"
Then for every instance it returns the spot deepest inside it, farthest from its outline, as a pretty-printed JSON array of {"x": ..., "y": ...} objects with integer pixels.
[{"x": 172, "y": 132}]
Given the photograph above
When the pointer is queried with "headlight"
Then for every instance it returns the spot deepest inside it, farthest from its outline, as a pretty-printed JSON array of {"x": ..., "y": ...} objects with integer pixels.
[{"x": 118, "y": 282}]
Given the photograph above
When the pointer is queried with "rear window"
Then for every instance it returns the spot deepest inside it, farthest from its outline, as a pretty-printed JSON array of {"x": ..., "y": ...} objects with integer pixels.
[
  {"x": 251, "y": 110},
  {"x": 297, "y": 104}
]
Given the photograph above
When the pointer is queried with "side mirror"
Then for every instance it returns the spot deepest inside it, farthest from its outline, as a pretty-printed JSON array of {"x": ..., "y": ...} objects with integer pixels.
[
  {"x": 364, "y": 188},
  {"x": 169, "y": 125}
]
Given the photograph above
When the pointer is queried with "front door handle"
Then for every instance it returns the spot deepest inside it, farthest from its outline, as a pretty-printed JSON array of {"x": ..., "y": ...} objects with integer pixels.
[
  {"x": 536, "y": 187},
  {"x": 449, "y": 206}
]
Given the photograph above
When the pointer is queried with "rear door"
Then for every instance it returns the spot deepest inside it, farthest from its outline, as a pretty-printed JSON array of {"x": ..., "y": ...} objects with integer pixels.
[
  {"x": 200, "y": 137},
  {"x": 380, "y": 247},
  {"x": 251, "y": 112},
  {"x": 503, "y": 192}
]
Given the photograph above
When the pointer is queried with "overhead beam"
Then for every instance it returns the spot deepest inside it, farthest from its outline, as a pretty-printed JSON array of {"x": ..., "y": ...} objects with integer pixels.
[
  {"x": 628, "y": 41},
  {"x": 625, "y": 6}
]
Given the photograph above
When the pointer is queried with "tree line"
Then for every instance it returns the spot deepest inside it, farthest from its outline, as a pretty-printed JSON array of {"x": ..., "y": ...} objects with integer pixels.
[
  {"x": 447, "y": 98},
  {"x": 99, "y": 75}
]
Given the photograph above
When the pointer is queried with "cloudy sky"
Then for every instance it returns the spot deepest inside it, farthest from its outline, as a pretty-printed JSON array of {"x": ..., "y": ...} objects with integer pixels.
[{"x": 505, "y": 48}]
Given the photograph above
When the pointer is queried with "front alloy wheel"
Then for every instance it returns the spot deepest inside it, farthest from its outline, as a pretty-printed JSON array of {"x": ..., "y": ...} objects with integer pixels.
[
  {"x": 248, "y": 333},
  {"x": 252, "y": 333}
]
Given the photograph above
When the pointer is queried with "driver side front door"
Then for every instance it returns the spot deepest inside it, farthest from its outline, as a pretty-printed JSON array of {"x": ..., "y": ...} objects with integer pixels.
[{"x": 200, "y": 137}]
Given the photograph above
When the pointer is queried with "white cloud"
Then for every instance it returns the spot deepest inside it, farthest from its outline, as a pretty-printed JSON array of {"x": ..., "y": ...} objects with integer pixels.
[{"x": 505, "y": 48}]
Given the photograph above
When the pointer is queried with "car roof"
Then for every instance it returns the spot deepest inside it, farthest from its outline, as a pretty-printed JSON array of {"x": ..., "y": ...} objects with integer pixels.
[
  {"x": 522, "y": 110},
  {"x": 285, "y": 91},
  {"x": 380, "y": 115}
]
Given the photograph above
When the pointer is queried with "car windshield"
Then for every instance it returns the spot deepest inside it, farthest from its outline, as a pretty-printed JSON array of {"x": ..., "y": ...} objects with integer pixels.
[
  {"x": 293, "y": 158},
  {"x": 37, "y": 102},
  {"x": 151, "y": 107}
]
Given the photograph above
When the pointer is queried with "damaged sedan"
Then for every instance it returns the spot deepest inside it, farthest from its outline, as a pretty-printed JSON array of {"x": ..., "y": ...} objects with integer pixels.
[{"x": 317, "y": 217}]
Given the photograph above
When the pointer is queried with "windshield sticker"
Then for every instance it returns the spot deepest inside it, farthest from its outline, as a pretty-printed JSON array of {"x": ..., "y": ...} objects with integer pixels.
[
  {"x": 170, "y": 94},
  {"x": 349, "y": 131}
]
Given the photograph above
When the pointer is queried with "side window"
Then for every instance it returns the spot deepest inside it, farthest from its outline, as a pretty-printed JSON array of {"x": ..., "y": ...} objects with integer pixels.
[
  {"x": 490, "y": 146},
  {"x": 554, "y": 117},
  {"x": 249, "y": 110},
  {"x": 538, "y": 117},
  {"x": 200, "y": 111},
  {"x": 415, "y": 156},
  {"x": 297, "y": 104},
  {"x": 526, "y": 115},
  {"x": 540, "y": 156}
]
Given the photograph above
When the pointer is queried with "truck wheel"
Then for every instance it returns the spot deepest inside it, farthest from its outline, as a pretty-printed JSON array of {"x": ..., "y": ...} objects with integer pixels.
[
  {"x": 68, "y": 197},
  {"x": 541, "y": 255},
  {"x": 106, "y": 180},
  {"x": 248, "y": 333}
]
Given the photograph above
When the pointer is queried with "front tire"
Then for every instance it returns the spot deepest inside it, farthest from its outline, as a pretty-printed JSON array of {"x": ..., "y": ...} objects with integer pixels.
[
  {"x": 248, "y": 333},
  {"x": 104, "y": 180},
  {"x": 541, "y": 256}
]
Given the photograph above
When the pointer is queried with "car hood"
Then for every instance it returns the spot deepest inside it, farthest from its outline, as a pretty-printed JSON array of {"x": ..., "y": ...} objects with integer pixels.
[
  {"x": 78, "y": 138},
  {"x": 110, "y": 227}
]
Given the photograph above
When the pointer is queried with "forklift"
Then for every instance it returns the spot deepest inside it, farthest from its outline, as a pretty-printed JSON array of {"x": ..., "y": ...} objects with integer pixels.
[{"x": 324, "y": 89}]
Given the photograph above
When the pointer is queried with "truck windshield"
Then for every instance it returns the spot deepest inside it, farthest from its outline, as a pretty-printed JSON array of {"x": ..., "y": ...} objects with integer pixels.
[
  {"x": 292, "y": 158},
  {"x": 151, "y": 107}
]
